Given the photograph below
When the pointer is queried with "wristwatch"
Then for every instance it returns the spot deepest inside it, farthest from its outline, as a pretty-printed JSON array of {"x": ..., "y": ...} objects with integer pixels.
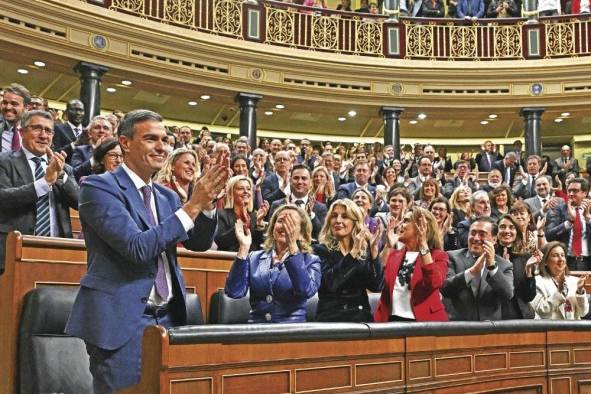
[
  {"x": 424, "y": 251},
  {"x": 491, "y": 267}
]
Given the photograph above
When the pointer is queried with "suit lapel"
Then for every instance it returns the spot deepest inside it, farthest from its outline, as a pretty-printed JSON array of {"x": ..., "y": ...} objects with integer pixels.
[
  {"x": 70, "y": 132},
  {"x": 22, "y": 167},
  {"x": 162, "y": 204},
  {"x": 132, "y": 194}
]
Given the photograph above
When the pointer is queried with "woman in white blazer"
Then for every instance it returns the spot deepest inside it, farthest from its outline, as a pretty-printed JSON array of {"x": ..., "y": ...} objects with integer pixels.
[{"x": 559, "y": 296}]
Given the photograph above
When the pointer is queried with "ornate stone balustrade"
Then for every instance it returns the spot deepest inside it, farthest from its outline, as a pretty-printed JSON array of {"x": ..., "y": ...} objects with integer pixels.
[{"x": 295, "y": 26}]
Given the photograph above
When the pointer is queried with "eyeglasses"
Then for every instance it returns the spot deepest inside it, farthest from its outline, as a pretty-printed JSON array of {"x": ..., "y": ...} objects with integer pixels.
[
  {"x": 37, "y": 128},
  {"x": 116, "y": 156}
]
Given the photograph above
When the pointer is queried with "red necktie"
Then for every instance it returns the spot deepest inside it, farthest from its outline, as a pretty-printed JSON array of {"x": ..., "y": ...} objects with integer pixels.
[
  {"x": 16, "y": 140},
  {"x": 577, "y": 235}
]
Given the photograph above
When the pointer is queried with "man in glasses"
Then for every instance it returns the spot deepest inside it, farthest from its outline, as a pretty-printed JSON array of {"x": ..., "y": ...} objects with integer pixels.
[
  {"x": 571, "y": 223},
  {"x": 37, "y": 188}
]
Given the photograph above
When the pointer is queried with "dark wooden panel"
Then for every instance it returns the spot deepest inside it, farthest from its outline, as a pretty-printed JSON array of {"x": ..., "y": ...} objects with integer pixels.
[
  {"x": 323, "y": 378},
  {"x": 526, "y": 359},
  {"x": 419, "y": 369},
  {"x": 489, "y": 362},
  {"x": 192, "y": 386},
  {"x": 558, "y": 357},
  {"x": 272, "y": 382},
  {"x": 453, "y": 365},
  {"x": 560, "y": 386},
  {"x": 379, "y": 373}
]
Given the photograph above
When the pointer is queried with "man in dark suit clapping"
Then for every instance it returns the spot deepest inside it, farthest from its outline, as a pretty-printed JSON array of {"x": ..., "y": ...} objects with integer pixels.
[
  {"x": 37, "y": 188},
  {"x": 478, "y": 281}
]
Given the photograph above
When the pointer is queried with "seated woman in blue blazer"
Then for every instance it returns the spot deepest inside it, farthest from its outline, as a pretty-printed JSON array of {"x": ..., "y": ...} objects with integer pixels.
[{"x": 282, "y": 276}]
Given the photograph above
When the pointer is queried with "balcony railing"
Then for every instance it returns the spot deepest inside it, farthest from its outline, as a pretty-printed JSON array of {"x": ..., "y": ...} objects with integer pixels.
[{"x": 295, "y": 26}]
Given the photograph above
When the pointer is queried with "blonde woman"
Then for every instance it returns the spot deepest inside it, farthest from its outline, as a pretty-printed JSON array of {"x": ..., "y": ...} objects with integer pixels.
[
  {"x": 238, "y": 205},
  {"x": 460, "y": 204},
  {"x": 350, "y": 264},
  {"x": 414, "y": 274},
  {"x": 323, "y": 189},
  {"x": 179, "y": 172},
  {"x": 282, "y": 276}
]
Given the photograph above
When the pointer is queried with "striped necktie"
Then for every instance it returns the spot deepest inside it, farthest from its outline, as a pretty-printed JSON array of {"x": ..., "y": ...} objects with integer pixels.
[
  {"x": 42, "y": 222},
  {"x": 160, "y": 282}
]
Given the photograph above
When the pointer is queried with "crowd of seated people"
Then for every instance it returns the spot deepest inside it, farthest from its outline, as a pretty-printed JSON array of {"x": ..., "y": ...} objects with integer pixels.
[{"x": 339, "y": 221}]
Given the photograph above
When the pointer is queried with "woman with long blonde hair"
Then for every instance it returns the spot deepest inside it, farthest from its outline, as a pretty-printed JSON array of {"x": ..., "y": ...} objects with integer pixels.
[
  {"x": 460, "y": 204},
  {"x": 349, "y": 257},
  {"x": 323, "y": 189},
  {"x": 281, "y": 277},
  {"x": 179, "y": 172}
]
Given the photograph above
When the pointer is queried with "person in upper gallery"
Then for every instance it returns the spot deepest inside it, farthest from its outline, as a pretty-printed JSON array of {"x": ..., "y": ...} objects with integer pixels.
[
  {"x": 414, "y": 273},
  {"x": 180, "y": 172},
  {"x": 427, "y": 193},
  {"x": 344, "y": 5},
  {"x": 526, "y": 187},
  {"x": 276, "y": 184},
  {"x": 239, "y": 205},
  {"x": 502, "y": 9},
  {"x": 430, "y": 9},
  {"x": 463, "y": 177},
  {"x": 184, "y": 139},
  {"x": 300, "y": 185},
  {"x": 13, "y": 105},
  {"x": 99, "y": 129},
  {"x": 443, "y": 161},
  {"x": 559, "y": 295},
  {"x": 519, "y": 153},
  {"x": 349, "y": 256},
  {"x": 107, "y": 156},
  {"x": 131, "y": 228},
  {"x": 501, "y": 200},
  {"x": 281, "y": 277},
  {"x": 37, "y": 188},
  {"x": 566, "y": 163},
  {"x": 478, "y": 281},
  {"x": 571, "y": 224},
  {"x": 361, "y": 174},
  {"x": 507, "y": 168},
  {"x": 323, "y": 188},
  {"x": 67, "y": 133},
  {"x": 494, "y": 179},
  {"x": 467, "y": 157},
  {"x": 511, "y": 246},
  {"x": 442, "y": 212}
]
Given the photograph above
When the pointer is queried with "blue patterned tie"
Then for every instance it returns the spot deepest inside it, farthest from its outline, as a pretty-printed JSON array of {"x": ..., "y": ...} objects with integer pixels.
[
  {"x": 42, "y": 222},
  {"x": 160, "y": 282}
]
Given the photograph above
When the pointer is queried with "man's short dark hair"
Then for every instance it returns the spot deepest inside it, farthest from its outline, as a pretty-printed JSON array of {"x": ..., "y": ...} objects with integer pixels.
[
  {"x": 583, "y": 182},
  {"x": 20, "y": 91},
  {"x": 487, "y": 219},
  {"x": 300, "y": 167},
  {"x": 126, "y": 127}
]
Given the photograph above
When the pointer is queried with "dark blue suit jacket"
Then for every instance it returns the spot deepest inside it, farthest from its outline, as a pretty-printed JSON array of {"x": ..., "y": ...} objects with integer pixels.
[
  {"x": 346, "y": 190},
  {"x": 278, "y": 293},
  {"x": 81, "y": 161},
  {"x": 557, "y": 231},
  {"x": 270, "y": 188},
  {"x": 122, "y": 255}
]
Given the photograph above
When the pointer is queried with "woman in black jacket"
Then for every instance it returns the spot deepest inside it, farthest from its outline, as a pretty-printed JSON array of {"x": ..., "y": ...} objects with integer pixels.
[{"x": 350, "y": 265}]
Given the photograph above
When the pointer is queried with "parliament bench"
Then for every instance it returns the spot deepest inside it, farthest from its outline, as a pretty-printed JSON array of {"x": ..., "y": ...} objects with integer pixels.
[
  {"x": 447, "y": 357},
  {"x": 51, "y": 361}
]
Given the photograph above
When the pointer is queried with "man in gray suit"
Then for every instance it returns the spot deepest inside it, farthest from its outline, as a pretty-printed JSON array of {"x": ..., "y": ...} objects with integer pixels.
[
  {"x": 543, "y": 201},
  {"x": 37, "y": 188},
  {"x": 478, "y": 281}
]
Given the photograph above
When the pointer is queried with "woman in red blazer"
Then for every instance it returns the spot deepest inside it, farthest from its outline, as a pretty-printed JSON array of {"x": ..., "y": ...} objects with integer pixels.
[{"x": 414, "y": 272}]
